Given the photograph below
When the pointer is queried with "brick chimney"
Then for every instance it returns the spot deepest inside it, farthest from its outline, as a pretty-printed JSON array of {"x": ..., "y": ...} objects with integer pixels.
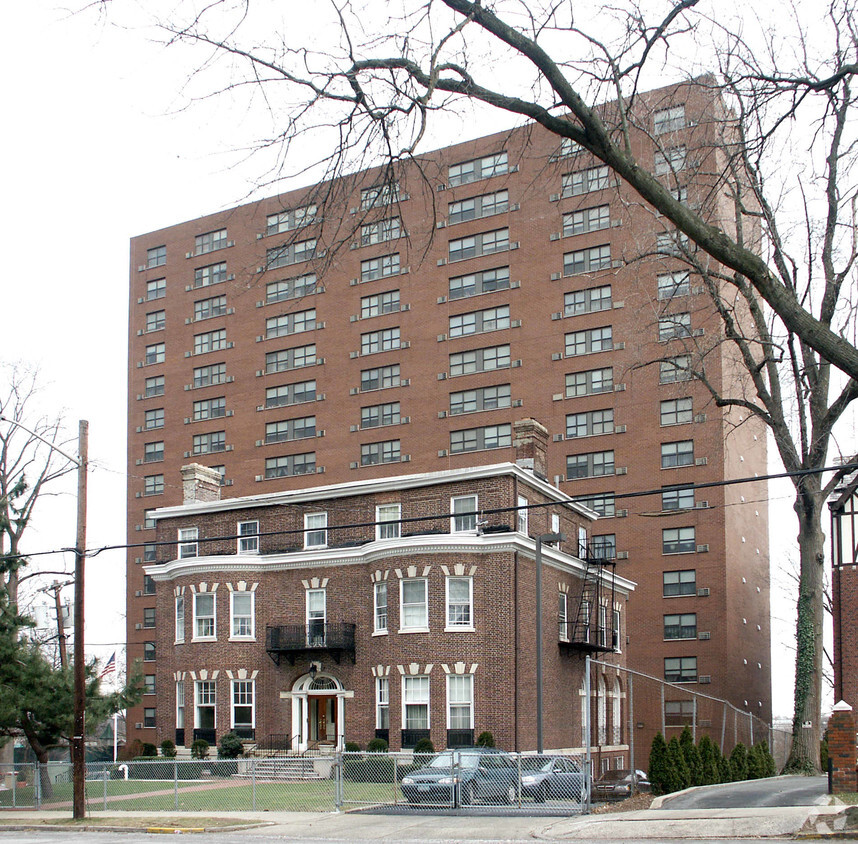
[
  {"x": 531, "y": 446},
  {"x": 200, "y": 484}
]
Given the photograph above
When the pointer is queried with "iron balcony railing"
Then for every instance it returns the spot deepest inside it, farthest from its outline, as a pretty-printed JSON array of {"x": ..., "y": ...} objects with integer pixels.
[{"x": 290, "y": 640}]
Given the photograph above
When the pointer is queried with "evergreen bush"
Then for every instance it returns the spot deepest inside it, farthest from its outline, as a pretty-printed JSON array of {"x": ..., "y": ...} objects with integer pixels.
[
  {"x": 692, "y": 757},
  {"x": 657, "y": 771},
  {"x": 168, "y": 749},
  {"x": 739, "y": 763},
  {"x": 424, "y": 746},
  {"x": 200, "y": 749},
  {"x": 725, "y": 773},
  {"x": 485, "y": 739},
  {"x": 230, "y": 747},
  {"x": 377, "y": 745},
  {"x": 148, "y": 749},
  {"x": 679, "y": 776},
  {"x": 709, "y": 774},
  {"x": 352, "y": 747}
]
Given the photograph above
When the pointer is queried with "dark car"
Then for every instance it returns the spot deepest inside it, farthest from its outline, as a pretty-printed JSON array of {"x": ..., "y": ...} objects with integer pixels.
[
  {"x": 545, "y": 777},
  {"x": 459, "y": 777},
  {"x": 617, "y": 785}
]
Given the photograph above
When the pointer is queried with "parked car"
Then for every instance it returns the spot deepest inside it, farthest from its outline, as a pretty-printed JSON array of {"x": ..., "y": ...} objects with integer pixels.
[
  {"x": 617, "y": 785},
  {"x": 544, "y": 777},
  {"x": 459, "y": 777}
]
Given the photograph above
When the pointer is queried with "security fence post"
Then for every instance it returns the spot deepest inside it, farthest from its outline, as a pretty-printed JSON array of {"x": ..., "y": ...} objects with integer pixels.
[
  {"x": 338, "y": 781},
  {"x": 176, "y": 784},
  {"x": 104, "y": 787},
  {"x": 253, "y": 781},
  {"x": 395, "y": 778}
]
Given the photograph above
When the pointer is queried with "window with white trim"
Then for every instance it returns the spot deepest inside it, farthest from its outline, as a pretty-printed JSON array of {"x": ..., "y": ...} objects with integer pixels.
[
  {"x": 248, "y": 537},
  {"x": 290, "y": 253},
  {"x": 212, "y": 274},
  {"x": 294, "y": 358},
  {"x": 180, "y": 704},
  {"x": 205, "y": 610},
  {"x": 680, "y": 540},
  {"x": 373, "y": 454},
  {"x": 380, "y": 415},
  {"x": 592, "y": 465},
  {"x": 563, "y": 616},
  {"x": 476, "y": 207},
  {"x": 586, "y": 220},
  {"x": 460, "y": 701},
  {"x": 676, "y": 411},
  {"x": 379, "y": 303},
  {"x": 480, "y": 398},
  {"x": 521, "y": 515},
  {"x": 379, "y": 598},
  {"x": 243, "y": 718},
  {"x": 315, "y": 530},
  {"x": 291, "y": 288},
  {"x": 180, "y": 618},
  {"x": 205, "y": 710},
  {"x": 590, "y": 341},
  {"x": 587, "y": 301},
  {"x": 188, "y": 545},
  {"x": 290, "y": 465},
  {"x": 615, "y": 634},
  {"x": 387, "y": 517},
  {"x": 382, "y": 703},
  {"x": 479, "y": 439},
  {"x": 590, "y": 383},
  {"x": 288, "y": 394},
  {"x": 480, "y": 360},
  {"x": 317, "y": 605},
  {"x": 210, "y": 242},
  {"x": 483, "y": 243},
  {"x": 591, "y": 423},
  {"x": 415, "y": 703},
  {"x": 460, "y": 603},
  {"x": 478, "y": 168},
  {"x": 464, "y": 513},
  {"x": 381, "y": 267},
  {"x": 586, "y": 180},
  {"x": 295, "y": 218},
  {"x": 414, "y": 604},
  {"x": 681, "y": 669},
  {"x": 242, "y": 614},
  {"x": 380, "y": 231}
]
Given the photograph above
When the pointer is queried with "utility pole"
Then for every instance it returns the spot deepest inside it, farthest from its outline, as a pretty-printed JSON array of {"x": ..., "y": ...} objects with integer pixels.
[{"x": 79, "y": 731}]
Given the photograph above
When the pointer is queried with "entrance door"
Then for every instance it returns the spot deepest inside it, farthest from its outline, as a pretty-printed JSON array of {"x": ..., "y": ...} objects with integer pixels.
[{"x": 323, "y": 719}]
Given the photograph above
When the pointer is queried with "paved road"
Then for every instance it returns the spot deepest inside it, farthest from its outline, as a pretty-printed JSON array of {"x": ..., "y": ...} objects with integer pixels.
[{"x": 779, "y": 791}]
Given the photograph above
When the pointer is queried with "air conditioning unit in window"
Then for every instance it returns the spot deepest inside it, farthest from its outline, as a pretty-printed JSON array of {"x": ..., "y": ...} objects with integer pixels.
[
  {"x": 701, "y": 461},
  {"x": 703, "y": 592},
  {"x": 557, "y": 397},
  {"x": 702, "y": 549},
  {"x": 138, "y": 594},
  {"x": 621, "y": 514},
  {"x": 619, "y": 429},
  {"x": 622, "y": 555},
  {"x": 704, "y": 678},
  {"x": 557, "y": 315},
  {"x": 442, "y": 452},
  {"x": 138, "y": 626},
  {"x": 353, "y": 465},
  {"x": 622, "y": 470},
  {"x": 557, "y": 356},
  {"x": 138, "y": 725},
  {"x": 556, "y": 276},
  {"x": 704, "y": 635},
  {"x": 701, "y": 505},
  {"x": 558, "y": 438},
  {"x": 554, "y": 236}
]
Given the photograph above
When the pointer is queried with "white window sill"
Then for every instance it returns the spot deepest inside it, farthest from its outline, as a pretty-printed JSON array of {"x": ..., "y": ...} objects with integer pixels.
[
  {"x": 204, "y": 639},
  {"x": 380, "y": 632},
  {"x": 413, "y": 629},
  {"x": 179, "y": 642},
  {"x": 242, "y": 639},
  {"x": 460, "y": 628}
]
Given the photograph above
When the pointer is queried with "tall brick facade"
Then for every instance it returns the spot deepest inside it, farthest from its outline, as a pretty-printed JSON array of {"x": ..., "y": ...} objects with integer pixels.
[{"x": 293, "y": 342}]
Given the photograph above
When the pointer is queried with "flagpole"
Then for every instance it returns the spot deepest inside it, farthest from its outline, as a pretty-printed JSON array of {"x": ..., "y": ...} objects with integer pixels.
[{"x": 115, "y": 717}]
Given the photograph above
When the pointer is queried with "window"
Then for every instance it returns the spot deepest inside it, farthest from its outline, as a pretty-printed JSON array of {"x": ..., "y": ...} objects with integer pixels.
[
  {"x": 382, "y": 452},
  {"x": 210, "y": 341},
  {"x": 669, "y": 119},
  {"x": 603, "y": 641},
  {"x": 485, "y": 243},
  {"x": 482, "y": 398},
  {"x": 153, "y": 452},
  {"x": 521, "y": 515},
  {"x": 477, "y": 439},
  {"x": 209, "y": 409},
  {"x": 207, "y": 376},
  {"x": 379, "y": 378},
  {"x": 149, "y": 685},
  {"x": 290, "y": 465},
  {"x": 153, "y": 386},
  {"x": 294, "y": 323},
  {"x": 478, "y": 206},
  {"x": 592, "y": 465},
  {"x": 379, "y": 303},
  {"x": 414, "y": 611},
  {"x": 153, "y": 418},
  {"x": 586, "y": 220},
  {"x": 674, "y": 284},
  {"x": 379, "y": 195},
  {"x": 288, "y": 394},
  {"x": 243, "y": 709},
  {"x": 460, "y": 603},
  {"x": 464, "y": 513},
  {"x": 248, "y": 537},
  {"x": 156, "y": 257},
  {"x": 384, "y": 340},
  {"x": 677, "y": 454},
  {"x": 673, "y": 326},
  {"x": 678, "y": 713},
  {"x": 315, "y": 530},
  {"x": 241, "y": 612},
  {"x": 294, "y": 358},
  {"x": 288, "y": 430},
  {"x": 387, "y": 517},
  {"x": 180, "y": 705},
  {"x": 615, "y": 646},
  {"x": 209, "y": 443},
  {"x": 149, "y": 717},
  {"x": 590, "y": 424},
  {"x": 290, "y": 253},
  {"x": 584, "y": 620},
  {"x": 156, "y": 320},
  {"x": 590, "y": 341},
  {"x": 680, "y": 626},
  {"x": 149, "y": 617},
  {"x": 460, "y": 701},
  {"x": 589, "y": 383},
  {"x": 180, "y": 618},
  {"x": 382, "y": 703},
  {"x": 678, "y": 540},
  {"x": 604, "y": 546},
  {"x": 153, "y": 485},
  {"x": 212, "y": 274},
  {"x": 602, "y": 503},
  {"x": 204, "y": 615},
  {"x": 676, "y": 583},
  {"x": 210, "y": 241},
  {"x": 415, "y": 702},
  {"x": 378, "y": 415},
  {"x": 380, "y": 606},
  {"x": 286, "y": 221},
  {"x": 682, "y": 669},
  {"x": 677, "y": 498},
  {"x": 480, "y": 360},
  {"x": 290, "y": 288},
  {"x": 208, "y": 308},
  {"x": 675, "y": 369},
  {"x": 381, "y": 267},
  {"x": 156, "y": 289},
  {"x": 381, "y": 231},
  {"x": 206, "y": 702},
  {"x": 149, "y": 652},
  {"x": 148, "y": 585},
  {"x": 670, "y": 160},
  {"x": 676, "y": 411},
  {"x": 671, "y": 243},
  {"x": 587, "y": 260},
  {"x": 188, "y": 545},
  {"x": 148, "y": 519},
  {"x": 155, "y": 353},
  {"x": 474, "y": 284},
  {"x": 563, "y": 616},
  {"x": 479, "y": 168},
  {"x": 478, "y": 322},
  {"x": 585, "y": 181},
  {"x": 568, "y": 147},
  {"x": 587, "y": 301},
  {"x": 316, "y": 615}
]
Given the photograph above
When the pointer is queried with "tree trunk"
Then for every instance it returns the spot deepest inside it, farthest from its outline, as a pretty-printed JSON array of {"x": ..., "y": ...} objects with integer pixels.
[
  {"x": 806, "y": 730},
  {"x": 41, "y": 753}
]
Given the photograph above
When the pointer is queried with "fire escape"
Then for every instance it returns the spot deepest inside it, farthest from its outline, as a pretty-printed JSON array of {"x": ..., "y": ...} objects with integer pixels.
[{"x": 590, "y": 627}]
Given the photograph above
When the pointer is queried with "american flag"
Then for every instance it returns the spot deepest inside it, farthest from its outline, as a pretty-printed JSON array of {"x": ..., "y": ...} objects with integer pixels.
[{"x": 109, "y": 667}]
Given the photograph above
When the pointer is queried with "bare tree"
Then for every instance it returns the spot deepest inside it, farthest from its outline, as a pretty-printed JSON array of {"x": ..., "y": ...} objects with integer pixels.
[{"x": 775, "y": 246}]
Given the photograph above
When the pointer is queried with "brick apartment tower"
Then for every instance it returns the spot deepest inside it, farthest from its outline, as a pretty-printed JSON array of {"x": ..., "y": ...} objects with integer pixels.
[{"x": 305, "y": 339}]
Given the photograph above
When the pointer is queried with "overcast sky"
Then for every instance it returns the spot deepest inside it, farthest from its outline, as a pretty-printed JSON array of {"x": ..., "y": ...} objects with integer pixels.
[{"x": 98, "y": 147}]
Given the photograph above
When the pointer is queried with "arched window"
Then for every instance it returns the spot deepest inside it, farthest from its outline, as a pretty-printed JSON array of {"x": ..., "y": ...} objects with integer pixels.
[
  {"x": 602, "y": 708},
  {"x": 616, "y": 713}
]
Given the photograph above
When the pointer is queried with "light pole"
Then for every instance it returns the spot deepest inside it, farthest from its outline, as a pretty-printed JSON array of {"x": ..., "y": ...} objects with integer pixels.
[
  {"x": 544, "y": 537},
  {"x": 78, "y": 747}
]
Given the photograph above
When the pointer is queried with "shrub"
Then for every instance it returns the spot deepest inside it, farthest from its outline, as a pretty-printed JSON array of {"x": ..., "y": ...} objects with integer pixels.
[
  {"x": 168, "y": 749},
  {"x": 352, "y": 747},
  {"x": 724, "y": 772},
  {"x": 485, "y": 739},
  {"x": 823, "y": 753},
  {"x": 377, "y": 745},
  {"x": 679, "y": 776},
  {"x": 200, "y": 749},
  {"x": 709, "y": 774},
  {"x": 756, "y": 763},
  {"x": 424, "y": 746},
  {"x": 131, "y": 750},
  {"x": 692, "y": 757},
  {"x": 739, "y": 763},
  {"x": 230, "y": 747},
  {"x": 657, "y": 773},
  {"x": 148, "y": 749},
  {"x": 364, "y": 769}
]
